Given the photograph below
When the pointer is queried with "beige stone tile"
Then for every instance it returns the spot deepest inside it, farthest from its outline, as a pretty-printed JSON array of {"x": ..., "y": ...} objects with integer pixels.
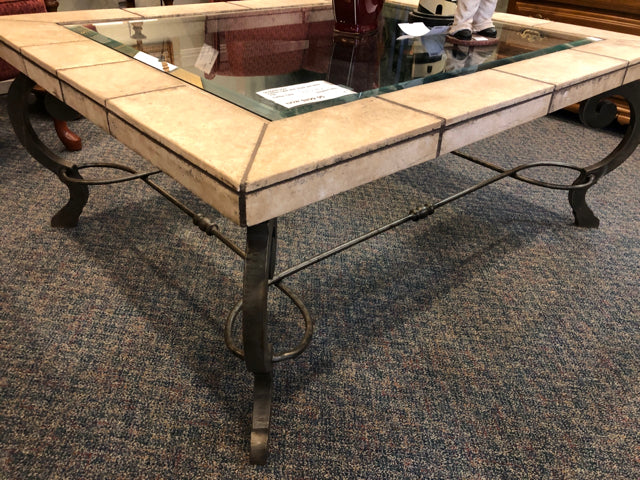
[
  {"x": 259, "y": 4},
  {"x": 518, "y": 19},
  {"x": 12, "y": 57},
  {"x": 628, "y": 50},
  {"x": 43, "y": 78},
  {"x": 197, "y": 126},
  {"x": 576, "y": 93},
  {"x": 24, "y": 34},
  {"x": 320, "y": 184},
  {"x": 322, "y": 138},
  {"x": 207, "y": 188},
  {"x": 182, "y": 10},
  {"x": 565, "y": 68},
  {"x": 455, "y": 99},
  {"x": 90, "y": 109},
  {"x": 465, "y": 133},
  {"x": 110, "y": 80},
  {"x": 70, "y": 55},
  {"x": 584, "y": 31},
  {"x": 79, "y": 16},
  {"x": 633, "y": 74}
]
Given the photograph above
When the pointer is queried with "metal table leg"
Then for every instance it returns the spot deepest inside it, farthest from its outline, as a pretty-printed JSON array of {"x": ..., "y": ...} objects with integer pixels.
[
  {"x": 18, "y": 107},
  {"x": 259, "y": 268},
  {"x": 590, "y": 115}
]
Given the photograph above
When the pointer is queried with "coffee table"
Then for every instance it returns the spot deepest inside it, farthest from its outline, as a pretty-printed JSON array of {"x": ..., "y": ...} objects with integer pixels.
[{"x": 226, "y": 110}]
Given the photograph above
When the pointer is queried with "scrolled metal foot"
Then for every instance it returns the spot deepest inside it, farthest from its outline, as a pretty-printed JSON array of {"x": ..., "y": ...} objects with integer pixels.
[
  {"x": 18, "y": 113},
  {"x": 584, "y": 216},
  {"x": 68, "y": 216},
  {"x": 261, "y": 418}
]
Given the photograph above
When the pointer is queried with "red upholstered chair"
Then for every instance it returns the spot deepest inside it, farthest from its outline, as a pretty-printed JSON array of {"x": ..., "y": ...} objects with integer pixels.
[{"x": 15, "y": 7}]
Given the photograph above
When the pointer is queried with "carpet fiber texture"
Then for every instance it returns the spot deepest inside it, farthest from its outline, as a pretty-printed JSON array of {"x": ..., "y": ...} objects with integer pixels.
[{"x": 493, "y": 340}]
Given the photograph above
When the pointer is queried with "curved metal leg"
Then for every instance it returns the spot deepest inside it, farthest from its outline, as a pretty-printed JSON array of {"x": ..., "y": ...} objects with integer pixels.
[
  {"x": 18, "y": 112},
  {"x": 584, "y": 216},
  {"x": 259, "y": 268}
]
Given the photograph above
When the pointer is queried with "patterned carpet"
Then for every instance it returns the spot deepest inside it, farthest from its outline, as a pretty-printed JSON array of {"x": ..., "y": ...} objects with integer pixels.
[{"x": 493, "y": 340}]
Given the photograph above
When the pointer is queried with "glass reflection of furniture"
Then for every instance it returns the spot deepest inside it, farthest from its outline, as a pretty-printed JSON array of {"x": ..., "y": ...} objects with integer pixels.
[
  {"x": 237, "y": 53},
  {"x": 256, "y": 52}
]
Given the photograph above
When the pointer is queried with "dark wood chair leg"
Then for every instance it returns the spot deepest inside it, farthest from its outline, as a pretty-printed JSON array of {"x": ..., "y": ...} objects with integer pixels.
[
  {"x": 51, "y": 5},
  {"x": 71, "y": 141}
]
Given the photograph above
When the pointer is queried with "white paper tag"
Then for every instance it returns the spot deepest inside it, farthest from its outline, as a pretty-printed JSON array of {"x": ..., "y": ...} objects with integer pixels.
[
  {"x": 416, "y": 29},
  {"x": 303, "y": 93},
  {"x": 206, "y": 58}
]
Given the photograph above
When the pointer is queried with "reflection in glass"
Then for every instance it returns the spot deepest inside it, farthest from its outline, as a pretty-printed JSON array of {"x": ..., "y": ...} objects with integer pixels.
[{"x": 234, "y": 55}]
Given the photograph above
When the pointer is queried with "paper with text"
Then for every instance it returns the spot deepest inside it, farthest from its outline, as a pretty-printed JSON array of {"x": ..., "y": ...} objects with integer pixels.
[{"x": 304, "y": 93}]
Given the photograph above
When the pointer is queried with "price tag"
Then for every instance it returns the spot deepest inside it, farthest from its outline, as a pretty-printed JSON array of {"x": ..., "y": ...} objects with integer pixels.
[
  {"x": 207, "y": 58},
  {"x": 303, "y": 93}
]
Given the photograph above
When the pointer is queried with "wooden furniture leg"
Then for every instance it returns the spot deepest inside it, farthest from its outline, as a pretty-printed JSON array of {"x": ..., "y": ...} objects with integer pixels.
[
  {"x": 70, "y": 140},
  {"x": 51, "y": 5}
]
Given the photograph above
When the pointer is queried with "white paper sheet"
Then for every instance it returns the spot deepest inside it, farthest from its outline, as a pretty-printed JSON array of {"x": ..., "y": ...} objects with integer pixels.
[
  {"x": 304, "y": 93},
  {"x": 416, "y": 29}
]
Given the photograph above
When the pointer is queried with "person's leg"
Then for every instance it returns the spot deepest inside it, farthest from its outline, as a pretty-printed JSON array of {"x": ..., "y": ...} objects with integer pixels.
[
  {"x": 464, "y": 16},
  {"x": 482, "y": 17}
]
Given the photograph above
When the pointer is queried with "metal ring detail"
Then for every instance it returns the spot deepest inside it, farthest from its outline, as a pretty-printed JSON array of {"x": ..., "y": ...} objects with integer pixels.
[{"x": 306, "y": 339}]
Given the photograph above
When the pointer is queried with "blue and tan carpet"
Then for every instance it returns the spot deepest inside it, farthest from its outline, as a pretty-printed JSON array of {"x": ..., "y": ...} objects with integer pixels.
[{"x": 493, "y": 340}]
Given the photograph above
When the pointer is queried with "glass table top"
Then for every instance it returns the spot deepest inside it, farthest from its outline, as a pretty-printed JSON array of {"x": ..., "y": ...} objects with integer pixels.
[{"x": 284, "y": 62}]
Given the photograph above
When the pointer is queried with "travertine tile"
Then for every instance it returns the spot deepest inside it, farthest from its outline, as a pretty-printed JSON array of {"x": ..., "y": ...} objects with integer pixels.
[
  {"x": 259, "y": 4},
  {"x": 182, "y": 10},
  {"x": 110, "y": 80},
  {"x": 333, "y": 135},
  {"x": 79, "y": 16},
  {"x": 576, "y": 93},
  {"x": 565, "y": 68},
  {"x": 70, "y": 55},
  {"x": 477, "y": 128},
  {"x": 214, "y": 135},
  {"x": 628, "y": 50},
  {"x": 518, "y": 20},
  {"x": 22, "y": 34},
  {"x": 43, "y": 78},
  {"x": 95, "y": 112},
  {"x": 206, "y": 187},
  {"x": 585, "y": 31},
  {"x": 633, "y": 74},
  {"x": 12, "y": 57},
  {"x": 320, "y": 184},
  {"x": 459, "y": 101}
]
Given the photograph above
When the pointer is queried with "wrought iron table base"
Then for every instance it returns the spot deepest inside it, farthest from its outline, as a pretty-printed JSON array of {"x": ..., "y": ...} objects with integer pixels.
[{"x": 261, "y": 240}]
